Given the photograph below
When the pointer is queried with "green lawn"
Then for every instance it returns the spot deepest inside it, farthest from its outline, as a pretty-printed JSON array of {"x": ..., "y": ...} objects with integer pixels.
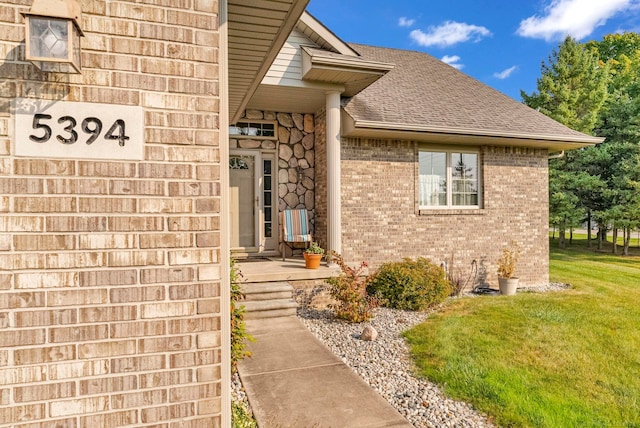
[{"x": 564, "y": 359}]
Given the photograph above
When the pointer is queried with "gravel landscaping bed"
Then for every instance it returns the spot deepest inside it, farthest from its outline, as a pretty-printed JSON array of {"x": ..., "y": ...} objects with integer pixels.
[{"x": 386, "y": 366}]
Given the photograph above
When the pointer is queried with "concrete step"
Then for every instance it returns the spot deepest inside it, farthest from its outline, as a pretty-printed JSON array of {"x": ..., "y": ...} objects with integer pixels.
[
  {"x": 267, "y": 291},
  {"x": 269, "y": 308}
]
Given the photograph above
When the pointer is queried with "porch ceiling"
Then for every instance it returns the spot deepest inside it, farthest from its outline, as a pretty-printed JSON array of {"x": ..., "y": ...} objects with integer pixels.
[{"x": 257, "y": 29}]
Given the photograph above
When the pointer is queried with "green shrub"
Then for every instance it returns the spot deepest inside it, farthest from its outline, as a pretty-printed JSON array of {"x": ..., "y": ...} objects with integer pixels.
[
  {"x": 410, "y": 284},
  {"x": 349, "y": 290},
  {"x": 240, "y": 416},
  {"x": 238, "y": 333}
]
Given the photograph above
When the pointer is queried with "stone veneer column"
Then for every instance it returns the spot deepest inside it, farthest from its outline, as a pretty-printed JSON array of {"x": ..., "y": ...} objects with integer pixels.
[{"x": 334, "y": 216}]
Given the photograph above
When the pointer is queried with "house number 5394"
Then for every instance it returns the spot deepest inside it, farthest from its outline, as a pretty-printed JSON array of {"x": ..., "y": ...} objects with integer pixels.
[{"x": 91, "y": 126}]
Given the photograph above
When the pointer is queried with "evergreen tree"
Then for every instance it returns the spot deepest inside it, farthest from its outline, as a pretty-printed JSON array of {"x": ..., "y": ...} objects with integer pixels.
[{"x": 572, "y": 89}]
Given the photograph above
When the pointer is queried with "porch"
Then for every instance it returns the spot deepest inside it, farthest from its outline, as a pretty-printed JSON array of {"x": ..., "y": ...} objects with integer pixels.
[
  {"x": 273, "y": 288},
  {"x": 271, "y": 269}
]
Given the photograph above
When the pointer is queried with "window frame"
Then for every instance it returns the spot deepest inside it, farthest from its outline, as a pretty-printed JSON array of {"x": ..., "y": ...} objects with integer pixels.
[
  {"x": 448, "y": 151},
  {"x": 259, "y": 123}
]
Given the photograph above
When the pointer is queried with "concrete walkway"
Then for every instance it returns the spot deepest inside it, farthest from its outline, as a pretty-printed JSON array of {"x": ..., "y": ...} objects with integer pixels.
[{"x": 293, "y": 380}]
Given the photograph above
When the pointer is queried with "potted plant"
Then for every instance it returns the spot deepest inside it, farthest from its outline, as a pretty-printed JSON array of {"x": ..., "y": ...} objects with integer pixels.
[
  {"x": 313, "y": 255},
  {"x": 506, "y": 269}
]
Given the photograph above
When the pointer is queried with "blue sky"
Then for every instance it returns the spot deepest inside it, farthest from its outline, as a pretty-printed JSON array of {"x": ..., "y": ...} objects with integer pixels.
[{"x": 499, "y": 42}]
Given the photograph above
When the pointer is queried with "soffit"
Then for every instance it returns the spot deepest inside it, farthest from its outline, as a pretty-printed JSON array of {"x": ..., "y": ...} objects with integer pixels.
[
  {"x": 257, "y": 29},
  {"x": 354, "y": 73}
]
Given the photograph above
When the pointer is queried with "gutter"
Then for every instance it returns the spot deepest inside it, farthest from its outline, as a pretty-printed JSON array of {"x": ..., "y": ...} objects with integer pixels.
[{"x": 374, "y": 125}]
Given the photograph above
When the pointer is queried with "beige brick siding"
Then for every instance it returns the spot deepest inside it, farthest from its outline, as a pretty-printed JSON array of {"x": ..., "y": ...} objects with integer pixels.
[
  {"x": 381, "y": 221},
  {"x": 321, "y": 178},
  {"x": 110, "y": 272}
]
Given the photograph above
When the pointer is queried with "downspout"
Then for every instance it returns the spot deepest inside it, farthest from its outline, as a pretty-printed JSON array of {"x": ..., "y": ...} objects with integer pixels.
[{"x": 556, "y": 156}]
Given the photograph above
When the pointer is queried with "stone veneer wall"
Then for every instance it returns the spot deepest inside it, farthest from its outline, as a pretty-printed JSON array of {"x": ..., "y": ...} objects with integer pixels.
[
  {"x": 295, "y": 148},
  {"x": 111, "y": 271},
  {"x": 381, "y": 222}
]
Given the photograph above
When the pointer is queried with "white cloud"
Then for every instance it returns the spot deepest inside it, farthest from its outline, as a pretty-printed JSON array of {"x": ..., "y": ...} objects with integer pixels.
[
  {"x": 406, "y": 22},
  {"x": 505, "y": 73},
  {"x": 449, "y": 33},
  {"x": 576, "y": 18},
  {"x": 453, "y": 61}
]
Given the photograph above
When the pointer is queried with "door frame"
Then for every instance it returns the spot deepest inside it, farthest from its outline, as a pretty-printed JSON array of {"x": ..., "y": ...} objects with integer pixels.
[
  {"x": 258, "y": 205},
  {"x": 257, "y": 174}
]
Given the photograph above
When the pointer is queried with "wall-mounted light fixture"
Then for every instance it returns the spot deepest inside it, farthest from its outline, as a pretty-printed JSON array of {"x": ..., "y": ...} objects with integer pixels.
[
  {"x": 53, "y": 35},
  {"x": 300, "y": 172}
]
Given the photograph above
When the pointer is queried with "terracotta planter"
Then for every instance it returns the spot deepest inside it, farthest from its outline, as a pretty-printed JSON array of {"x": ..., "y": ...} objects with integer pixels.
[
  {"x": 312, "y": 261},
  {"x": 508, "y": 286}
]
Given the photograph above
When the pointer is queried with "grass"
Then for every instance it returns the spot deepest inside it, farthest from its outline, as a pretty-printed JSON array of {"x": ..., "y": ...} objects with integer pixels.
[{"x": 564, "y": 359}]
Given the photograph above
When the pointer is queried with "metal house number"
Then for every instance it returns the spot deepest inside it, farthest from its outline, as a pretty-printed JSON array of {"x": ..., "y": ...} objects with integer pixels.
[
  {"x": 92, "y": 126},
  {"x": 77, "y": 130}
]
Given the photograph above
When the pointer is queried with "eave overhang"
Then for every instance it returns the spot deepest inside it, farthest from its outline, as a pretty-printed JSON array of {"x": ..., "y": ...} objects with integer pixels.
[
  {"x": 353, "y": 72},
  {"x": 447, "y": 135},
  {"x": 257, "y": 30}
]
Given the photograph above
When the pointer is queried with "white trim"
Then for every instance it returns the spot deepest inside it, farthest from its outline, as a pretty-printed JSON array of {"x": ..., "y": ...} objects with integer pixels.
[
  {"x": 327, "y": 35},
  {"x": 225, "y": 253}
]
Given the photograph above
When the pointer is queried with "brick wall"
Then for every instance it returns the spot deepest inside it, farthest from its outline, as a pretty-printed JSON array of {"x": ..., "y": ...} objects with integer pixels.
[
  {"x": 381, "y": 222},
  {"x": 321, "y": 178},
  {"x": 110, "y": 272}
]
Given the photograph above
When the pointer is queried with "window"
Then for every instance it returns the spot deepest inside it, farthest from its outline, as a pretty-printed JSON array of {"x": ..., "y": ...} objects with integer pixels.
[
  {"x": 448, "y": 179},
  {"x": 259, "y": 130}
]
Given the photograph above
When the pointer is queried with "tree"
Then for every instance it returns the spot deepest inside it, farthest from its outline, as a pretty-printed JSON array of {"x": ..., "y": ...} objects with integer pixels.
[{"x": 572, "y": 89}]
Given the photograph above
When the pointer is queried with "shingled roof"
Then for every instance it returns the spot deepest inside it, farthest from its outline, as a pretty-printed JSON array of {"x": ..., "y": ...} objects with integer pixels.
[{"x": 428, "y": 96}]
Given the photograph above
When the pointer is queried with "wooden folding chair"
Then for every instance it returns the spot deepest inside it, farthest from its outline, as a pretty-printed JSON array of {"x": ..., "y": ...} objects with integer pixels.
[{"x": 295, "y": 228}]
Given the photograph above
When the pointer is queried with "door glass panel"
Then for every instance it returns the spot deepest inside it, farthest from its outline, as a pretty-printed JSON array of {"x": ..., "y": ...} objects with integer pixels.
[
  {"x": 267, "y": 181},
  {"x": 242, "y": 185}
]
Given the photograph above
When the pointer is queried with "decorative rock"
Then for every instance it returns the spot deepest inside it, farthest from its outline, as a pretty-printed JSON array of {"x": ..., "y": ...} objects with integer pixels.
[
  {"x": 285, "y": 152},
  {"x": 268, "y": 145},
  {"x": 293, "y": 175},
  {"x": 369, "y": 333},
  {"x": 283, "y": 176},
  {"x": 291, "y": 187},
  {"x": 308, "y": 123},
  {"x": 269, "y": 115},
  {"x": 310, "y": 157},
  {"x": 308, "y": 183},
  {"x": 291, "y": 200},
  {"x": 282, "y": 163},
  {"x": 298, "y": 151},
  {"x": 308, "y": 141},
  {"x": 296, "y": 136},
  {"x": 303, "y": 163},
  {"x": 282, "y": 190},
  {"x": 293, "y": 162},
  {"x": 298, "y": 120},
  {"x": 250, "y": 144},
  {"x": 284, "y": 119},
  {"x": 300, "y": 190},
  {"x": 283, "y": 135},
  {"x": 253, "y": 114}
]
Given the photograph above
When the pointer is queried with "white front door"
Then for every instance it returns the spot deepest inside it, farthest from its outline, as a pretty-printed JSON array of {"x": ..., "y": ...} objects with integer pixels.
[{"x": 253, "y": 201}]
